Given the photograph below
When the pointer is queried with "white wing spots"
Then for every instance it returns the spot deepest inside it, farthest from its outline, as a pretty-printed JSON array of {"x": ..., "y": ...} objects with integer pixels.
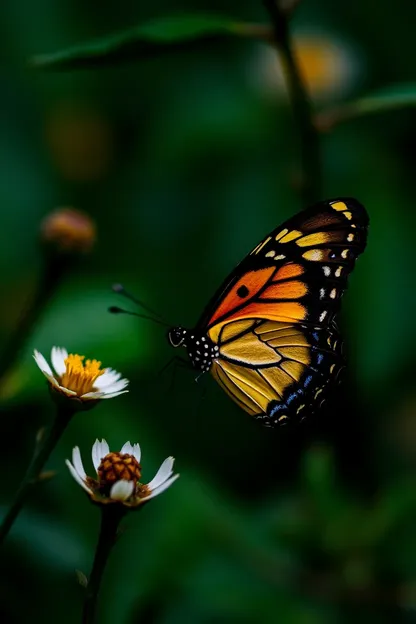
[
  {"x": 314, "y": 254},
  {"x": 338, "y": 271},
  {"x": 280, "y": 257},
  {"x": 282, "y": 233},
  {"x": 322, "y": 293},
  {"x": 322, "y": 316},
  {"x": 326, "y": 270},
  {"x": 350, "y": 237},
  {"x": 353, "y": 225},
  {"x": 333, "y": 293},
  {"x": 270, "y": 254},
  {"x": 197, "y": 342},
  {"x": 344, "y": 253}
]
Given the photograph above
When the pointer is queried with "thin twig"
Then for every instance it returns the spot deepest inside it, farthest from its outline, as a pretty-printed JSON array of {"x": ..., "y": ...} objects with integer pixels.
[
  {"x": 301, "y": 106},
  {"x": 43, "y": 449}
]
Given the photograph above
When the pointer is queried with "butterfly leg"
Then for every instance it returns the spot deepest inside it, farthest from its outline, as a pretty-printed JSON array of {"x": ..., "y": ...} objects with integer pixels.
[{"x": 176, "y": 360}]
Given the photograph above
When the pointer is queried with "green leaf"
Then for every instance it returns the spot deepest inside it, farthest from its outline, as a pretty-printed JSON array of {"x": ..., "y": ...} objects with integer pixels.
[
  {"x": 394, "y": 97},
  {"x": 158, "y": 36}
]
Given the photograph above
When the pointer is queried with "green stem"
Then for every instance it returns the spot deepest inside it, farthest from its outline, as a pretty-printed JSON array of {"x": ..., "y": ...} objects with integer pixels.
[
  {"x": 111, "y": 516},
  {"x": 301, "y": 106},
  {"x": 41, "y": 454},
  {"x": 52, "y": 273}
]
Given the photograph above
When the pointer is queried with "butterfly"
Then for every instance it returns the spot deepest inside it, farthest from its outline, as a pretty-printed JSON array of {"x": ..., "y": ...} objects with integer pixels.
[{"x": 269, "y": 335}]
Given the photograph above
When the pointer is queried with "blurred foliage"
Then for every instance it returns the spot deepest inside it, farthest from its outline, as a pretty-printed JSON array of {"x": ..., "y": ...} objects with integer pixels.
[{"x": 184, "y": 160}]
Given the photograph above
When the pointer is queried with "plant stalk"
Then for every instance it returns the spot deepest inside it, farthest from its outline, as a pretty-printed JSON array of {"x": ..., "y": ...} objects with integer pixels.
[
  {"x": 41, "y": 454},
  {"x": 311, "y": 183},
  {"x": 50, "y": 278},
  {"x": 111, "y": 516}
]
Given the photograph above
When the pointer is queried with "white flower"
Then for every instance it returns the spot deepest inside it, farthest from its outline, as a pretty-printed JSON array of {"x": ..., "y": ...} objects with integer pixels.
[
  {"x": 119, "y": 474},
  {"x": 74, "y": 378}
]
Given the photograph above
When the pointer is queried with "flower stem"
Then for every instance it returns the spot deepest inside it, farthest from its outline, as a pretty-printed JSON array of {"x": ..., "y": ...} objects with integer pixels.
[
  {"x": 111, "y": 516},
  {"x": 51, "y": 275},
  {"x": 40, "y": 456},
  {"x": 301, "y": 105}
]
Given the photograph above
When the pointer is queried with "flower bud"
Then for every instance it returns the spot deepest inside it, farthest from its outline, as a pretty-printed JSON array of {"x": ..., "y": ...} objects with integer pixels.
[{"x": 68, "y": 231}]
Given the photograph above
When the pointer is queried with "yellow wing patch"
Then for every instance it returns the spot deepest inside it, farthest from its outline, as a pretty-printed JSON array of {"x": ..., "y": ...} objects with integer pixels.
[
  {"x": 293, "y": 235},
  {"x": 247, "y": 371},
  {"x": 318, "y": 238},
  {"x": 248, "y": 349}
]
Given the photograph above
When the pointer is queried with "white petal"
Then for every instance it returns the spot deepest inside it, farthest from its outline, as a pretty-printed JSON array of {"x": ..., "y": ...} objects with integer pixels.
[
  {"x": 58, "y": 357},
  {"x": 42, "y": 363},
  {"x": 90, "y": 396},
  {"x": 162, "y": 474},
  {"x": 111, "y": 388},
  {"x": 111, "y": 395},
  {"x": 67, "y": 391},
  {"x": 137, "y": 452},
  {"x": 122, "y": 490},
  {"x": 107, "y": 378},
  {"x": 114, "y": 387},
  {"x": 127, "y": 448},
  {"x": 52, "y": 380},
  {"x": 162, "y": 487},
  {"x": 77, "y": 461},
  {"x": 77, "y": 477},
  {"x": 101, "y": 395},
  {"x": 99, "y": 450}
]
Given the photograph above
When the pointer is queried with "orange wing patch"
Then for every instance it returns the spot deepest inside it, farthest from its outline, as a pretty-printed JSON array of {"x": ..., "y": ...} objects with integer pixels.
[
  {"x": 249, "y": 285},
  {"x": 290, "y": 311},
  {"x": 288, "y": 290},
  {"x": 288, "y": 271}
]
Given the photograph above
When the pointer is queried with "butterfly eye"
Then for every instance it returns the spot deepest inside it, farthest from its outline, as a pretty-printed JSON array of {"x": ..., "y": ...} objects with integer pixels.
[
  {"x": 242, "y": 291},
  {"x": 176, "y": 336}
]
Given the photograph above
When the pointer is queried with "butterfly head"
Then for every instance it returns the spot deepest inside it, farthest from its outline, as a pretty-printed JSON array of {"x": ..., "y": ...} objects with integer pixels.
[
  {"x": 201, "y": 350},
  {"x": 176, "y": 336}
]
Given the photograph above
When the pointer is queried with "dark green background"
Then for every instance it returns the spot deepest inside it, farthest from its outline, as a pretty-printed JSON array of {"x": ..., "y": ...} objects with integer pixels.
[{"x": 185, "y": 164}]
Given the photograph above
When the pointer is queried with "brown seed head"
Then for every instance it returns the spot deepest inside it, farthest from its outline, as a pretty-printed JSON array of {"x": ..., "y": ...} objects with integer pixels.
[
  {"x": 67, "y": 230},
  {"x": 116, "y": 467}
]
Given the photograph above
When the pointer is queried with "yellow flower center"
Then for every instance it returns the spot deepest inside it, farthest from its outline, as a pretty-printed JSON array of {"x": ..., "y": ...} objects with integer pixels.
[{"x": 79, "y": 376}]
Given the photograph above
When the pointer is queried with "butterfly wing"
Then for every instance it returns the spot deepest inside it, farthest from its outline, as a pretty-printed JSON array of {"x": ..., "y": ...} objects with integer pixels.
[
  {"x": 277, "y": 371},
  {"x": 273, "y": 317},
  {"x": 296, "y": 274}
]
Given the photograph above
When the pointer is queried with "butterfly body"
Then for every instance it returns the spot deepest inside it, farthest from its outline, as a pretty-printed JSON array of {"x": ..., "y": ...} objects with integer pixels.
[{"x": 269, "y": 335}]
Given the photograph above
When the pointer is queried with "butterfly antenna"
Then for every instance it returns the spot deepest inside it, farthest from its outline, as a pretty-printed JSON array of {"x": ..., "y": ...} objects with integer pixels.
[
  {"x": 117, "y": 310},
  {"x": 120, "y": 290}
]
